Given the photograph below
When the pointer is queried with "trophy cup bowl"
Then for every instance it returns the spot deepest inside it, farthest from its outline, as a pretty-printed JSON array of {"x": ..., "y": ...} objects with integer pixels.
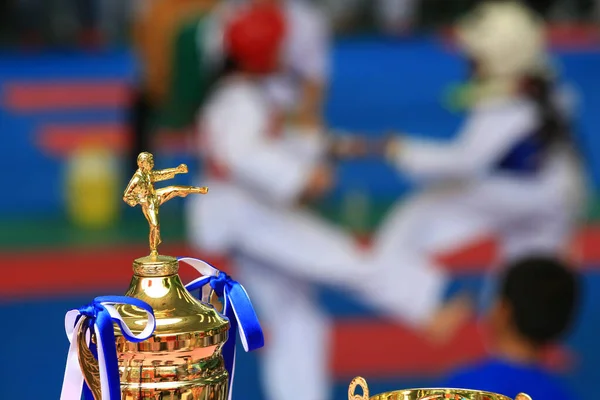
[
  {"x": 183, "y": 359},
  {"x": 425, "y": 394}
]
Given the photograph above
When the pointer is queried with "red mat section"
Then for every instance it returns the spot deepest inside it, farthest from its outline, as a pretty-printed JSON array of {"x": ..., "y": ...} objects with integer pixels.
[
  {"x": 81, "y": 270},
  {"x": 63, "y": 139},
  {"x": 386, "y": 350},
  {"x": 25, "y": 96},
  {"x": 367, "y": 345}
]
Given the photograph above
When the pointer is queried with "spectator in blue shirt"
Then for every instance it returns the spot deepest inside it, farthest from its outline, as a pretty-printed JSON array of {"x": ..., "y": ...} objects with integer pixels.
[{"x": 534, "y": 308}]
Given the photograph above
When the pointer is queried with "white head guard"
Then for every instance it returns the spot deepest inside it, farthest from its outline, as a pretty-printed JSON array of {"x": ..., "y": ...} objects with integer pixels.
[{"x": 505, "y": 38}]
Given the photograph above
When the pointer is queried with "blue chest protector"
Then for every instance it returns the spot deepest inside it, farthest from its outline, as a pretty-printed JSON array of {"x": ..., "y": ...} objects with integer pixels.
[{"x": 524, "y": 157}]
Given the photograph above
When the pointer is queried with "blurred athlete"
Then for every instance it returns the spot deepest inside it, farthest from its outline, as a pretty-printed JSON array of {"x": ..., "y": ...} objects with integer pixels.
[
  {"x": 512, "y": 171},
  {"x": 259, "y": 174},
  {"x": 298, "y": 87}
]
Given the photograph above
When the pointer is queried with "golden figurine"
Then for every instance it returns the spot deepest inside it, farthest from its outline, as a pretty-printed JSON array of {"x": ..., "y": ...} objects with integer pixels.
[
  {"x": 425, "y": 394},
  {"x": 141, "y": 191}
]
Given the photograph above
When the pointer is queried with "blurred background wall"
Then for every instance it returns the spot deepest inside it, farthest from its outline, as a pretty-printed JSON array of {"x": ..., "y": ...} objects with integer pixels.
[{"x": 68, "y": 81}]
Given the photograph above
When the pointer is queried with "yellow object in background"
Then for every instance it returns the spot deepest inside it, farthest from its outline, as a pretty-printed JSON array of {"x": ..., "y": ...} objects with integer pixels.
[{"x": 93, "y": 187}]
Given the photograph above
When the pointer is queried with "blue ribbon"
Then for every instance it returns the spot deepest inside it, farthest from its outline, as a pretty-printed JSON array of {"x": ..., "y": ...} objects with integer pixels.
[
  {"x": 101, "y": 321},
  {"x": 237, "y": 308}
]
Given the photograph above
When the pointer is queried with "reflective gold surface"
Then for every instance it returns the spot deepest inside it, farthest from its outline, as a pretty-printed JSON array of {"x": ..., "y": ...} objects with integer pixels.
[
  {"x": 175, "y": 309},
  {"x": 87, "y": 361},
  {"x": 424, "y": 394},
  {"x": 182, "y": 360},
  {"x": 140, "y": 190},
  {"x": 358, "y": 382}
]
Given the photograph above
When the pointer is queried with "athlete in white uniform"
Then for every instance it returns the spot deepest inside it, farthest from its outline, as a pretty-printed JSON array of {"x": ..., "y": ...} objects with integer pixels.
[
  {"x": 258, "y": 174},
  {"x": 298, "y": 87},
  {"x": 511, "y": 172}
]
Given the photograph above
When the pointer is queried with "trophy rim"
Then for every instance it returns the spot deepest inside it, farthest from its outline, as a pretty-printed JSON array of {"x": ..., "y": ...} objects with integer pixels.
[
  {"x": 431, "y": 391},
  {"x": 157, "y": 266}
]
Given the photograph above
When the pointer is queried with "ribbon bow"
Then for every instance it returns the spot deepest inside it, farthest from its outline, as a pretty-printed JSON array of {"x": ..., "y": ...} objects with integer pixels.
[
  {"x": 236, "y": 307},
  {"x": 100, "y": 316}
]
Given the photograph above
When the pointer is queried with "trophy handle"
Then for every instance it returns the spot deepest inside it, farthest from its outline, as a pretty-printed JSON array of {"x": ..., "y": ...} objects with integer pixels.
[
  {"x": 359, "y": 381},
  {"x": 87, "y": 362},
  {"x": 523, "y": 396}
]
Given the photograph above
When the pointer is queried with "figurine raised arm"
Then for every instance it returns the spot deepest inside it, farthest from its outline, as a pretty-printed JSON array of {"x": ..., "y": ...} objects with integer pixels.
[{"x": 140, "y": 190}]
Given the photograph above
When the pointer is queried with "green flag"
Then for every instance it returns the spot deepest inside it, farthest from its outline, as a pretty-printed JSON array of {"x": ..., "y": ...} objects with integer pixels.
[{"x": 192, "y": 75}]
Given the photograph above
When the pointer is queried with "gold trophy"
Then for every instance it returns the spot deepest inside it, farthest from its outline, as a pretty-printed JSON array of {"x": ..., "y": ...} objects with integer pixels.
[
  {"x": 425, "y": 394},
  {"x": 183, "y": 359}
]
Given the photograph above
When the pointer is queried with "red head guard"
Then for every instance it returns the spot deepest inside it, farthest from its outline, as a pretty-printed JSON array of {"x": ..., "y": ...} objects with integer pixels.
[{"x": 254, "y": 36}]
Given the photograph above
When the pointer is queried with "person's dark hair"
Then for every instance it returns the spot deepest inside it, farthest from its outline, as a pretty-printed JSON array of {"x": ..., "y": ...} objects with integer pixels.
[
  {"x": 542, "y": 294},
  {"x": 542, "y": 7},
  {"x": 554, "y": 127},
  {"x": 228, "y": 66}
]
